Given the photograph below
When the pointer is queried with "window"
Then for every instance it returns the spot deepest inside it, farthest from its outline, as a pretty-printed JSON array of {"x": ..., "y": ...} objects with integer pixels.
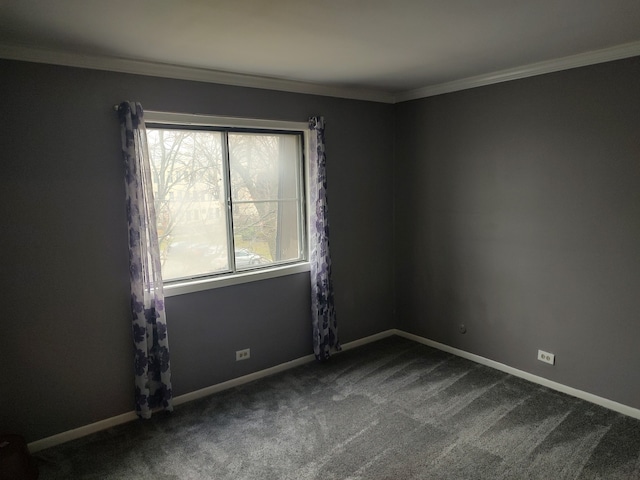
[{"x": 229, "y": 196}]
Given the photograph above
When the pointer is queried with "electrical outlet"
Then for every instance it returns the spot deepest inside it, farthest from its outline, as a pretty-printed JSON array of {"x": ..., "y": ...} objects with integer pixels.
[
  {"x": 546, "y": 357},
  {"x": 243, "y": 354}
]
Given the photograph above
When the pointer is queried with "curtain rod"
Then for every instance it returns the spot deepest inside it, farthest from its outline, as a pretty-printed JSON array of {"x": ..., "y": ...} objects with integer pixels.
[
  {"x": 117, "y": 105},
  {"x": 261, "y": 122}
]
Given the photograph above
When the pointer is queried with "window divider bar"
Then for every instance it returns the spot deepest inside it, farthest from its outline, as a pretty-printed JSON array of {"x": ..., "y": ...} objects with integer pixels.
[
  {"x": 275, "y": 200},
  {"x": 227, "y": 192}
]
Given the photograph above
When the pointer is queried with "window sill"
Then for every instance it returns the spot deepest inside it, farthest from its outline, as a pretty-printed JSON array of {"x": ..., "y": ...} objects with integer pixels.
[{"x": 190, "y": 286}]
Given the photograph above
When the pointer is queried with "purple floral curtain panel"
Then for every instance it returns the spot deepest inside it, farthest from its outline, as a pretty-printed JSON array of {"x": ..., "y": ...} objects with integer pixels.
[
  {"x": 151, "y": 346},
  {"x": 323, "y": 313}
]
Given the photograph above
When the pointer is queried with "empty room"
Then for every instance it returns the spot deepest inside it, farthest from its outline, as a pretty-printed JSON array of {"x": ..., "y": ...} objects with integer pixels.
[{"x": 303, "y": 240}]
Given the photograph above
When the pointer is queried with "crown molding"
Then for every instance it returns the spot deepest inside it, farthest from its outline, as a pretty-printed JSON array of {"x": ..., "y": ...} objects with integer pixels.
[
  {"x": 565, "y": 63},
  {"x": 138, "y": 67}
]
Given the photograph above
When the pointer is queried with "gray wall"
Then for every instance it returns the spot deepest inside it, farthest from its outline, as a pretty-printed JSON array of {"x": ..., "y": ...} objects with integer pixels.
[
  {"x": 518, "y": 214},
  {"x": 65, "y": 342}
]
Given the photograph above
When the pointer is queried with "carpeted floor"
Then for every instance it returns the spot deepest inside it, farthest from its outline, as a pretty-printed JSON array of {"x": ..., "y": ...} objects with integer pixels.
[{"x": 393, "y": 409}]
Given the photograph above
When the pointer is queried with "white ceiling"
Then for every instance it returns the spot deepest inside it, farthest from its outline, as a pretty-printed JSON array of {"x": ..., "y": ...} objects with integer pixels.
[{"x": 391, "y": 48}]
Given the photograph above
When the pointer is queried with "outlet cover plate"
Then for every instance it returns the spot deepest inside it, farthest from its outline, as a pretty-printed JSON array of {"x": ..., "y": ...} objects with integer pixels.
[
  {"x": 243, "y": 354},
  {"x": 546, "y": 357}
]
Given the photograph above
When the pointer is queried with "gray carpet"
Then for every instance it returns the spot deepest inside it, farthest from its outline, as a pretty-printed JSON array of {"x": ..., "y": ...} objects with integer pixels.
[{"x": 393, "y": 409}]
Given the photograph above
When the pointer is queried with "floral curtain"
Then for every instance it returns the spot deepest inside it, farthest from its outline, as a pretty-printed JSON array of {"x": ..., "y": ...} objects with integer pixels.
[
  {"x": 151, "y": 346},
  {"x": 323, "y": 314}
]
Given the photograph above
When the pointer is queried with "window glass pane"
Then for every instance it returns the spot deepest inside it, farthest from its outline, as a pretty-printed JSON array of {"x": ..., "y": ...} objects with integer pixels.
[
  {"x": 190, "y": 202},
  {"x": 265, "y": 191}
]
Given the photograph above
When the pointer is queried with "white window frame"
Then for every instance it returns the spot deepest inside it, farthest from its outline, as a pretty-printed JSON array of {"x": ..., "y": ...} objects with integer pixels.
[{"x": 236, "y": 278}]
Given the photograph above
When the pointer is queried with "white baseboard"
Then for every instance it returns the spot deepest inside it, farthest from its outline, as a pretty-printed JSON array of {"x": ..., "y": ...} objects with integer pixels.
[
  {"x": 81, "y": 431},
  {"x": 187, "y": 397},
  {"x": 369, "y": 339},
  {"x": 574, "y": 392},
  {"x": 204, "y": 392},
  {"x": 234, "y": 382}
]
